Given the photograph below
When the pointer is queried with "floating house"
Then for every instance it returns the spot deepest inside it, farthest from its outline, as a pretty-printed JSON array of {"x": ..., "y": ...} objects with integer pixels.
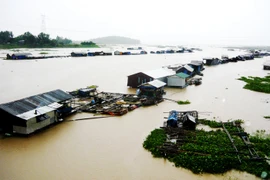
[
  {"x": 180, "y": 51},
  {"x": 152, "y": 89},
  {"x": 178, "y": 80},
  {"x": 197, "y": 66},
  {"x": 143, "y": 52},
  {"x": 117, "y": 53},
  {"x": 151, "y": 92},
  {"x": 30, "y": 114},
  {"x": 78, "y": 54},
  {"x": 184, "y": 119},
  {"x": 170, "y": 51},
  {"x": 185, "y": 69},
  {"x": 212, "y": 61},
  {"x": 137, "y": 79},
  {"x": 266, "y": 65},
  {"x": 19, "y": 56}
]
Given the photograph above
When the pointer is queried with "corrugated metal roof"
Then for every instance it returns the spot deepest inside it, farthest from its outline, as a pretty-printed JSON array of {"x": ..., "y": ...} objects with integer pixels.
[
  {"x": 39, "y": 111},
  {"x": 30, "y": 103},
  {"x": 182, "y": 75},
  {"x": 186, "y": 67},
  {"x": 156, "y": 83},
  {"x": 159, "y": 73}
]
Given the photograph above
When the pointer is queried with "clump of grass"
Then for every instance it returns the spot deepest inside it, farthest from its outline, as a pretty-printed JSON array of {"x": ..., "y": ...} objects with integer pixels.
[
  {"x": 257, "y": 83},
  {"x": 266, "y": 117},
  {"x": 210, "y": 152},
  {"x": 43, "y": 53},
  {"x": 183, "y": 102}
]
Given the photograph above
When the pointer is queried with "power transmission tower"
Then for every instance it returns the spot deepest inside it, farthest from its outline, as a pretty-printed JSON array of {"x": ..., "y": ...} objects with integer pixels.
[{"x": 43, "y": 23}]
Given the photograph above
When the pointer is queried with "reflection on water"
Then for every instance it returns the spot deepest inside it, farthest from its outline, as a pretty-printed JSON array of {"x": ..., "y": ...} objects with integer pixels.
[{"x": 112, "y": 148}]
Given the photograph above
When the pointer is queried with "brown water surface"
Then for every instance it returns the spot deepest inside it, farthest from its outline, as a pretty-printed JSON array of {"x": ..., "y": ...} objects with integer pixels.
[{"x": 112, "y": 148}]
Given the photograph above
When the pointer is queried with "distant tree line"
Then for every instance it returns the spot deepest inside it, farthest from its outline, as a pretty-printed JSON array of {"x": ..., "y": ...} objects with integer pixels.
[
  {"x": 28, "y": 39},
  {"x": 87, "y": 43}
]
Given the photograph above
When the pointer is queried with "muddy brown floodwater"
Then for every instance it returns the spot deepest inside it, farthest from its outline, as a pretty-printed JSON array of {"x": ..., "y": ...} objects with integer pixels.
[{"x": 111, "y": 148}]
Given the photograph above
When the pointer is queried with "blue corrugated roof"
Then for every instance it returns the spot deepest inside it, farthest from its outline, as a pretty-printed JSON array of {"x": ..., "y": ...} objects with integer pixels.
[{"x": 32, "y": 102}]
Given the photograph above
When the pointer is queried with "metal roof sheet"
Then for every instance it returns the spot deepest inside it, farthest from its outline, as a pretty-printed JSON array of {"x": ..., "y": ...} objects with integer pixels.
[
  {"x": 39, "y": 111},
  {"x": 156, "y": 83},
  {"x": 30, "y": 103},
  {"x": 182, "y": 75},
  {"x": 159, "y": 73}
]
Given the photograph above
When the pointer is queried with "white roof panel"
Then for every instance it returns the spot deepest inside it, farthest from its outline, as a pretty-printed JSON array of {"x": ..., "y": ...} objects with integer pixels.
[
  {"x": 39, "y": 111},
  {"x": 159, "y": 73},
  {"x": 156, "y": 83},
  {"x": 189, "y": 68}
]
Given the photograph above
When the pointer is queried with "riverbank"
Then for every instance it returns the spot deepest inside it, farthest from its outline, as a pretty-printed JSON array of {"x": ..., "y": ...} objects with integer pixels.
[{"x": 13, "y": 46}]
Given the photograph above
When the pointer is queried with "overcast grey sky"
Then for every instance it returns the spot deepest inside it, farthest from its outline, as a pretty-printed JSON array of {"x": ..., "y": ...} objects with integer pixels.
[{"x": 219, "y": 22}]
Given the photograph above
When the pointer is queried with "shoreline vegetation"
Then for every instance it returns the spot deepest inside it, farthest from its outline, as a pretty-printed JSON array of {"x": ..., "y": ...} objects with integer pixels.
[
  {"x": 42, "y": 40},
  {"x": 258, "y": 84},
  {"x": 211, "y": 151}
]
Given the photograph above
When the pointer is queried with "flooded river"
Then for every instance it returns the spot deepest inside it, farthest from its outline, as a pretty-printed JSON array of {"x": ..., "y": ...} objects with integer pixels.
[{"x": 111, "y": 148}]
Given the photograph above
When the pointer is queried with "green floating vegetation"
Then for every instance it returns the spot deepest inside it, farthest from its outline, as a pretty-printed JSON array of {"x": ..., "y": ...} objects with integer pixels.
[
  {"x": 43, "y": 53},
  {"x": 210, "y": 152},
  {"x": 257, "y": 83},
  {"x": 266, "y": 117},
  {"x": 183, "y": 102},
  {"x": 92, "y": 86},
  {"x": 154, "y": 140}
]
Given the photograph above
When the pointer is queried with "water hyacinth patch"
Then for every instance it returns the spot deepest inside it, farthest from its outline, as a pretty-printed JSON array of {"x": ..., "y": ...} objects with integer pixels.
[{"x": 210, "y": 152}]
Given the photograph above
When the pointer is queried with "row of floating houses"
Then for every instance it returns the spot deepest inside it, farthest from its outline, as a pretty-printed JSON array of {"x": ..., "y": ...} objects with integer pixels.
[
  {"x": 173, "y": 75},
  {"x": 129, "y": 51},
  {"x": 28, "y": 115}
]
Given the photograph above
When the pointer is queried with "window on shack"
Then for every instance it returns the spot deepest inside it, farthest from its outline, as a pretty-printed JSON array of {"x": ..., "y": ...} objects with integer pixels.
[{"x": 42, "y": 117}]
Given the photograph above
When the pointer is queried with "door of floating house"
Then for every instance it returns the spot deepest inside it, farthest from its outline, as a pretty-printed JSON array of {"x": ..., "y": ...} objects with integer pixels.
[{"x": 178, "y": 80}]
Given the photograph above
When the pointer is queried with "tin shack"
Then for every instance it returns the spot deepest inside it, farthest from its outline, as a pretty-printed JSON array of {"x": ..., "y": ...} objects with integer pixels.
[{"x": 30, "y": 114}]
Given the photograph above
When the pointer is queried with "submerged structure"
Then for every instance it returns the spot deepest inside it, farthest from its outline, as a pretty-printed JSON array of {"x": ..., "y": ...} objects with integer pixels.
[{"x": 30, "y": 114}]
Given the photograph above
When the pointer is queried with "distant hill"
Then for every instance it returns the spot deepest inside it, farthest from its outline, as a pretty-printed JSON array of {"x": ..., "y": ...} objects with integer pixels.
[{"x": 115, "y": 40}]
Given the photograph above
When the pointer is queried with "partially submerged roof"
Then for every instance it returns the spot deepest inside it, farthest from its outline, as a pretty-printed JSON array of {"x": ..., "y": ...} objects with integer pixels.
[
  {"x": 34, "y": 102},
  {"x": 159, "y": 73},
  {"x": 156, "y": 83}
]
